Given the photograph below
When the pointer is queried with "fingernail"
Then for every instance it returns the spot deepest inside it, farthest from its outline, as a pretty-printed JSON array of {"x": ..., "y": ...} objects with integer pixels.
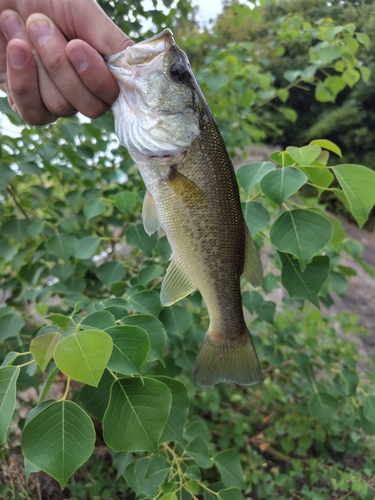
[
  {"x": 39, "y": 32},
  {"x": 11, "y": 27},
  {"x": 79, "y": 59},
  {"x": 17, "y": 57}
]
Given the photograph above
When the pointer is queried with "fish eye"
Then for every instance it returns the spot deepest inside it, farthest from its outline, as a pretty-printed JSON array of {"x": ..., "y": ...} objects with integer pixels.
[{"x": 177, "y": 72}]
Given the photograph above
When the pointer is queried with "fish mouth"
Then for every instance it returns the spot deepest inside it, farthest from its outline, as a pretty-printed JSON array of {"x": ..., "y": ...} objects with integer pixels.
[{"x": 140, "y": 54}]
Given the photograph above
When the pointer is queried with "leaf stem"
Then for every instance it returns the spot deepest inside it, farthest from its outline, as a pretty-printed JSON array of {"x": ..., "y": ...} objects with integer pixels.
[
  {"x": 27, "y": 363},
  {"x": 65, "y": 395}
]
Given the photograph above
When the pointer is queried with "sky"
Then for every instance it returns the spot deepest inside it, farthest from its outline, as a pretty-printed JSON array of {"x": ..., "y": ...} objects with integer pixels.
[{"x": 208, "y": 9}]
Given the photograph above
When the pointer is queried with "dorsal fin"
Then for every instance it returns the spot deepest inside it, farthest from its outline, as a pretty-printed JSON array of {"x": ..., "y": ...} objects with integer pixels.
[{"x": 176, "y": 285}]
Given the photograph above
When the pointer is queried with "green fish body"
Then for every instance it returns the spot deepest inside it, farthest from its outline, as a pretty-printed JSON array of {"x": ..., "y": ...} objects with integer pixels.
[{"x": 163, "y": 119}]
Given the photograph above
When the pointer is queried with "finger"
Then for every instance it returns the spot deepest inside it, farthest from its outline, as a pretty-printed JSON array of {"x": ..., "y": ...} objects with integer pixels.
[
  {"x": 23, "y": 89},
  {"x": 82, "y": 19},
  {"x": 13, "y": 27},
  {"x": 50, "y": 45},
  {"x": 92, "y": 70}
]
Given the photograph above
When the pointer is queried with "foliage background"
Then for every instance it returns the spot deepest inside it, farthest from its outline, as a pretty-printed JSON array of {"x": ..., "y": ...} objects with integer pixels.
[{"x": 78, "y": 271}]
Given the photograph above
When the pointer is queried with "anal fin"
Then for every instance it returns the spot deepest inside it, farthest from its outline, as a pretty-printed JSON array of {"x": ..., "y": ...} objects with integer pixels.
[
  {"x": 253, "y": 269},
  {"x": 150, "y": 215},
  {"x": 176, "y": 285}
]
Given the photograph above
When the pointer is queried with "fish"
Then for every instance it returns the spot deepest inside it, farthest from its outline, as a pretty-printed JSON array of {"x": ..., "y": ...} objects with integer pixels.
[{"x": 164, "y": 121}]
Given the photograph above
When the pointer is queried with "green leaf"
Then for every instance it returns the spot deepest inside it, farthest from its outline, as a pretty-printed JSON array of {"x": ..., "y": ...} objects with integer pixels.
[
  {"x": 9, "y": 358},
  {"x": 351, "y": 77},
  {"x": 17, "y": 229},
  {"x": 198, "y": 449},
  {"x": 368, "y": 426},
  {"x": 93, "y": 208},
  {"x": 290, "y": 114},
  {"x": 149, "y": 273},
  {"x": 302, "y": 233},
  {"x": 98, "y": 320},
  {"x": 59, "y": 439},
  {"x": 231, "y": 494},
  {"x": 174, "y": 429},
  {"x": 146, "y": 474},
  {"x": 130, "y": 348},
  {"x": 253, "y": 172},
  {"x": 328, "y": 145},
  {"x": 305, "y": 155},
  {"x": 155, "y": 331},
  {"x": 111, "y": 272},
  {"x": 59, "y": 320},
  {"x": 43, "y": 348},
  {"x": 323, "y": 93},
  {"x": 357, "y": 183},
  {"x": 86, "y": 248},
  {"x": 8, "y": 380},
  {"x": 125, "y": 202},
  {"x": 197, "y": 426},
  {"x": 282, "y": 183},
  {"x": 62, "y": 271},
  {"x": 304, "y": 284},
  {"x": 96, "y": 399},
  {"x": 323, "y": 406},
  {"x": 175, "y": 319},
  {"x": 322, "y": 55},
  {"x": 369, "y": 408},
  {"x": 10, "y": 325},
  {"x": 252, "y": 300},
  {"x": 363, "y": 39},
  {"x": 147, "y": 302},
  {"x": 365, "y": 73},
  {"x": 228, "y": 463},
  {"x": 266, "y": 311},
  {"x": 282, "y": 158},
  {"x": 321, "y": 177},
  {"x": 335, "y": 84},
  {"x": 169, "y": 496},
  {"x": 84, "y": 355},
  {"x": 6, "y": 175},
  {"x": 351, "y": 380},
  {"x": 137, "y": 237},
  {"x": 137, "y": 413},
  {"x": 62, "y": 245},
  {"x": 256, "y": 216},
  {"x": 157, "y": 470},
  {"x": 193, "y": 472}
]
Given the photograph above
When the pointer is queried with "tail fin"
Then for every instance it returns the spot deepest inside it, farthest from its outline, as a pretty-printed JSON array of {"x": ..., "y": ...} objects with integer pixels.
[{"x": 237, "y": 362}]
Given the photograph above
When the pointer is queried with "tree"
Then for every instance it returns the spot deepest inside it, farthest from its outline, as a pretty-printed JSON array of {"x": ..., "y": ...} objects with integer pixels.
[{"x": 80, "y": 279}]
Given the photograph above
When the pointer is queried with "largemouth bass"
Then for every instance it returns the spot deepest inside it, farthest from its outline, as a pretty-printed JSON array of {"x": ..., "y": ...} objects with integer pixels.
[{"x": 163, "y": 119}]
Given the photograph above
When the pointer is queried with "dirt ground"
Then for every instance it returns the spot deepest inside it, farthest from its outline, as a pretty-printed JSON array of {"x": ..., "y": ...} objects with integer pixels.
[{"x": 360, "y": 296}]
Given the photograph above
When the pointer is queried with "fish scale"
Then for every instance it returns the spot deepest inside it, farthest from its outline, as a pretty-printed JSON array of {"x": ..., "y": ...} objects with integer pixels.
[{"x": 193, "y": 195}]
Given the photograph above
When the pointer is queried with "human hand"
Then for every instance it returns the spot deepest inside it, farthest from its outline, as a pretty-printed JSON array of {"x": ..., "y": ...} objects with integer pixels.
[{"x": 51, "y": 60}]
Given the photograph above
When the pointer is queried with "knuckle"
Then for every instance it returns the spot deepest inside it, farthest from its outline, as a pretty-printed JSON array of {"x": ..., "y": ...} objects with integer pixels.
[
  {"x": 56, "y": 64},
  {"x": 59, "y": 106}
]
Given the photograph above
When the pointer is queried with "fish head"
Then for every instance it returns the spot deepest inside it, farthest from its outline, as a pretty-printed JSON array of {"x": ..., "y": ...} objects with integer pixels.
[{"x": 157, "y": 112}]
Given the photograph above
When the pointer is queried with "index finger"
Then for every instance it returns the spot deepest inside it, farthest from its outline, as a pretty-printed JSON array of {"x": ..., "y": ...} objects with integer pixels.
[{"x": 82, "y": 19}]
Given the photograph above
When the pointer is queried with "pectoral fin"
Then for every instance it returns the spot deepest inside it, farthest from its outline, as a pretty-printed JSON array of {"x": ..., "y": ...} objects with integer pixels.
[
  {"x": 185, "y": 189},
  {"x": 176, "y": 285},
  {"x": 253, "y": 269},
  {"x": 149, "y": 215}
]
